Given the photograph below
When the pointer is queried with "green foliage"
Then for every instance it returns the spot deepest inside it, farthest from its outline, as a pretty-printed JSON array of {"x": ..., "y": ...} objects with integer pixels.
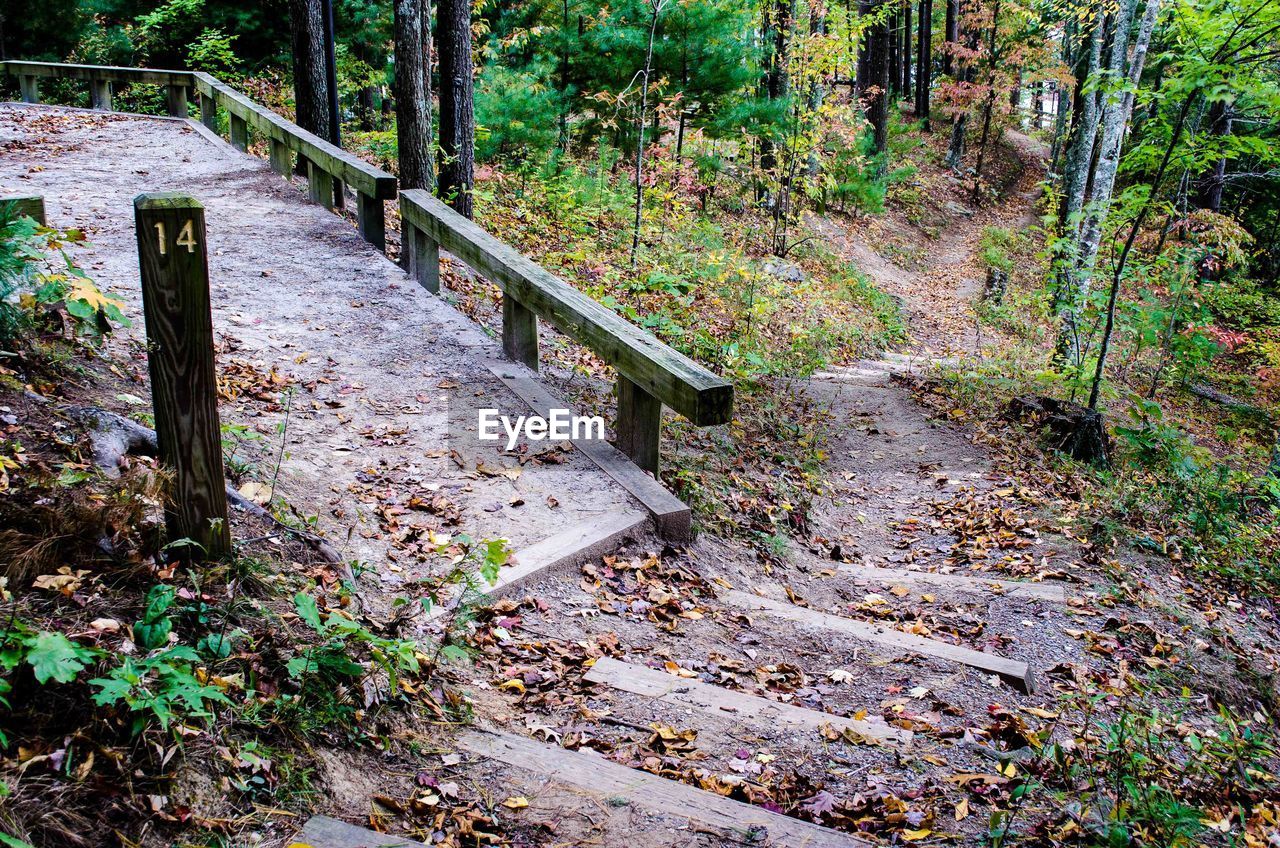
[
  {"x": 50, "y": 655},
  {"x": 161, "y": 687},
  {"x": 212, "y": 53},
  {"x": 513, "y": 110},
  {"x": 37, "y": 272}
]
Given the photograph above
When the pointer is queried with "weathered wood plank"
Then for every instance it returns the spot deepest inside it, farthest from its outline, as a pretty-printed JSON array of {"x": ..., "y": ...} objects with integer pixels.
[
  {"x": 173, "y": 258},
  {"x": 592, "y": 773},
  {"x": 372, "y": 220},
  {"x": 1051, "y": 592},
  {"x": 716, "y": 700},
  {"x": 319, "y": 185},
  {"x": 324, "y": 832},
  {"x": 673, "y": 378},
  {"x": 209, "y": 112},
  {"x": 239, "y": 131},
  {"x": 1012, "y": 671},
  {"x": 639, "y": 425},
  {"x": 519, "y": 333},
  {"x": 100, "y": 94},
  {"x": 565, "y": 550},
  {"x": 671, "y": 517},
  {"x": 360, "y": 175},
  {"x": 421, "y": 256},
  {"x": 176, "y": 100},
  {"x": 31, "y": 205},
  {"x": 59, "y": 70},
  {"x": 29, "y": 88}
]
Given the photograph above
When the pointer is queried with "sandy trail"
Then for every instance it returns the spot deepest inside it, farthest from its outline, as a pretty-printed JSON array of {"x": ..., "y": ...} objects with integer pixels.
[{"x": 369, "y": 363}]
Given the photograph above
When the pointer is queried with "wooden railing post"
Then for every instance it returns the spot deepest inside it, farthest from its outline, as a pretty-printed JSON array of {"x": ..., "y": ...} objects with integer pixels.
[
  {"x": 100, "y": 94},
  {"x": 420, "y": 256},
  {"x": 319, "y": 185},
  {"x": 239, "y": 133},
  {"x": 372, "y": 218},
  {"x": 177, "y": 101},
  {"x": 174, "y": 262},
  {"x": 639, "y": 425},
  {"x": 519, "y": 332},
  {"x": 28, "y": 204},
  {"x": 281, "y": 160},
  {"x": 209, "y": 111},
  {"x": 30, "y": 87}
]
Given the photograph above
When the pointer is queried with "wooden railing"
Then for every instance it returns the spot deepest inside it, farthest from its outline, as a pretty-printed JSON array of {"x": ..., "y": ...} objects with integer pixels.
[
  {"x": 650, "y": 374},
  {"x": 325, "y": 162}
]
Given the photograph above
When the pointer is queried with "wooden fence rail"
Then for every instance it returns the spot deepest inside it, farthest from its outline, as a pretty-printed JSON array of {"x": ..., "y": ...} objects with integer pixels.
[
  {"x": 650, "y": 374},
  {"x": 325, "y": 162}
]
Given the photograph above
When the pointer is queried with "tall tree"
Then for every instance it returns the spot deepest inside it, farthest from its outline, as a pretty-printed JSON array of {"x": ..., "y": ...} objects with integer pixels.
[
  {"x": 988, "y": 104},
  {"x": 1125, "y": 72},
  {"x": 457, "y": 105},
  {"x": 414, "y": 140},
  {"x": 907, "y": 38},
  {"x": 879, "y": 37},
  {"x": 310, "y": 79},
  {"x": 1209, "y": 189},
  {"x": 924, "y": 61},
  {"x": 777, "y": 22},
  {"x": 655, "y": 11}
]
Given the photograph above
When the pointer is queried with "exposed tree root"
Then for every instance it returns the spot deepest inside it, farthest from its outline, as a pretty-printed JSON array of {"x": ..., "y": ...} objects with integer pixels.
[{"x": 113, "y": 437}]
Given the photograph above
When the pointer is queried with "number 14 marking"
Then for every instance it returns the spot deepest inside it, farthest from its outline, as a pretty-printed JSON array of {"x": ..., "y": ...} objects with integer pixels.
[{"x": 186, "y": 237}]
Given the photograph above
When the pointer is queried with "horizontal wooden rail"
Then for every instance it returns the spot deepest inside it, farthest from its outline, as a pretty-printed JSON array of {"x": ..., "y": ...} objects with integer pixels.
[
  {"x": 325, "y": 162},
  {"x": 650, "y": 373}
]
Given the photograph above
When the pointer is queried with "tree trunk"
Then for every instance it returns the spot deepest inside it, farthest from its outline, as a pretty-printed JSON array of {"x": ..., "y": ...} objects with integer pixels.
[
  {"x": 1209, "y": 189},
  {"x": 413, "y": 107},
  {"x": 878, "y": 38},
  {"x": 924, "y": 61},
  {"x": 1116, "y": 110},
  {"x": 817, "y": 91},
  {"x": 864, "y": 50},
  {"x": 1084, "y": 132},
  {"x": 952, "y": 36},
  {"x": 656, "y": 9},
  {"x": 906, "y": 48},
  {"x": 776, "y": 32},
  {"x": 895, "y": 59},
  {"x": 310, "y": 80},
  {"x": 457, "y": 114},
  {"x": 993, "y": 60}
]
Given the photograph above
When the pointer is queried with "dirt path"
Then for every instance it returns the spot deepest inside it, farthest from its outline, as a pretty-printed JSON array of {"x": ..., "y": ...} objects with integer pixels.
[{"x": 320, "y": 336}]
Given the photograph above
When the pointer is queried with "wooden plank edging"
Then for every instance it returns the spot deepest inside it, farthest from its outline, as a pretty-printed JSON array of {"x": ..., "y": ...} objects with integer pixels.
[
  {"x": 1050, "y": 592},
  {"x": 592, "y": 773},
  {"x": 672, "y": 518},
  {"x": 1015, "y": 672},
  {"x": 717, "y": 700},
  {"x": 671, "y": 377}
]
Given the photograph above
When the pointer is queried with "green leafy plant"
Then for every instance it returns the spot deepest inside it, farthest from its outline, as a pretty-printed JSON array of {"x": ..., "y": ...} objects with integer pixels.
[{"x": 160, "y": 687}]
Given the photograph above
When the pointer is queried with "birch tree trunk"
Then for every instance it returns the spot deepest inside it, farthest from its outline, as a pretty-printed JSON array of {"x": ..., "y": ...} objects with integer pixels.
[
  {"x": 1116, "y": 108},
  {"x": 413, "y": 104}
]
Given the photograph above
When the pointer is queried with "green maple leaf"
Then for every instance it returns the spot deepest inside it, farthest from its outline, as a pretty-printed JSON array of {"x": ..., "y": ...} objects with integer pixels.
[{"x": 55, "y": 657}]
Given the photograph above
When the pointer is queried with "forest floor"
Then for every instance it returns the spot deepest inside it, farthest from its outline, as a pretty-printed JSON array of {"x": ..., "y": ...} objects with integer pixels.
[{"x": 942, "y": 618}]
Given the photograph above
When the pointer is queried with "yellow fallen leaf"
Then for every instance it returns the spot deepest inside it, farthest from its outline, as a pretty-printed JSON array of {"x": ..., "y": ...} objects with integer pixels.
[
  {"x": 516, "y": 802},
  {"x": 915, "y": 835},
  {"x": 962, "y": 809},
  {"x": 513, "y": 685}
]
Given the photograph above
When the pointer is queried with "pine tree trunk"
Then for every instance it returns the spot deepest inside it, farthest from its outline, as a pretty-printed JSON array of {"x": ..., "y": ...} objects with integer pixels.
[
  {"x": 457, "y": 114},
  {"x": 952, "y": 35},
  {"x": 924, "y": 61},
  {"x": 655, "y": 10},
  {"x": 414, "y": 140},
  {"x": 310, "y": 80},
  {"x": 878, "y": 38},
  {"x": 895, "y": 60},
  {"x": 906, "y": 48},
  {"x": 864, "y": 50},
  {"x": 993, "y": 60},
  {"x": 776, "y": 31}
]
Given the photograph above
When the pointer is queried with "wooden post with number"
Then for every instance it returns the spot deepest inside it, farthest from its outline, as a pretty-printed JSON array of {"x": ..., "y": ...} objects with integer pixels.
[{"x": 175, "y": 300}]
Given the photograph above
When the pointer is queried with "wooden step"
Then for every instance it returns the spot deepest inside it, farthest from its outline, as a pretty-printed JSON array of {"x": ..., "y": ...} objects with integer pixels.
[
  {"x": 1018, "y": 674},
  {"x": 567, "y": 549},
  {"x": 324, "y": 832},
  {"x": 1051, "y": 592},
  {"x": 716, "y": 700},
  {"x": 591, "y": 773}
]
